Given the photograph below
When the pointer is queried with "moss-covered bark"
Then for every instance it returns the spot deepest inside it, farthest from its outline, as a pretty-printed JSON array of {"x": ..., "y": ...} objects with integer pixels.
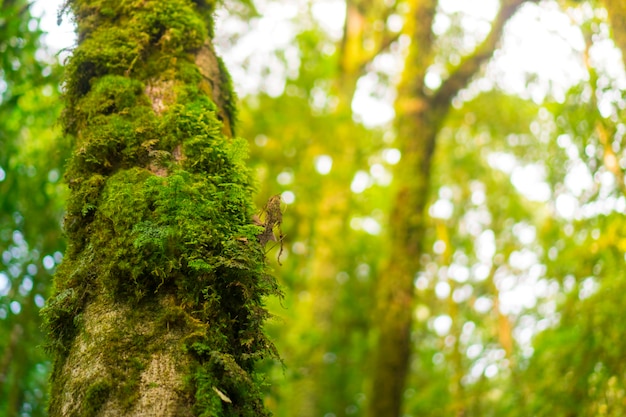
[{"x": 157, "y": 307}]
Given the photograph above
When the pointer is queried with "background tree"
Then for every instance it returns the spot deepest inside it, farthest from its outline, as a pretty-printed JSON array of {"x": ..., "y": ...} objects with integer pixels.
[
  {"x": 157, "y": 306},
  {"x": 310, "y": 145},
  {"x": 420, "y": 114},
  {"x": 486, "y": 347}
]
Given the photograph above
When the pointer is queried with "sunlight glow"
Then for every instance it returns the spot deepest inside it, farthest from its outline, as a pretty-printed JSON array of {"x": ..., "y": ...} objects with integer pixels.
[
  {"x": 323, "y": 164},
  {"x": 56, "y": 37},
  {"x": 15, "y": 307},
  {"x": 442, "y": 290},
  {"x": 502, "y": 161},
  {"x": 367, "y": 224},
  {"x": 459, "y": 273},
  {"x": 486, "y": 246},
  {"x": 371, "y": 110},
  {"x": 392, "y": 156},
  {"x": 525, "y": 233},
  {"x": 480, "y": 9},
  {"x": 360, "y": 182},
  {"x": 541, "y": 42},
  {"x": 442, "y": 324},
  {"x": 285, "y": 178},
  {"x": 380, "y": 174},
  {"x": 439, "y": 247},
  {"x": 422, "y": 313},
  {"x": 578, "y": 178},
  {"x": 5, "y": 284},
  {"x": 40, "y": 301},
  {"x": 473, "y": 351},
  {"x": 288, "y": 197},
  {"x": 588, "y": 288},
  {"x": 442, "y": 209},
  {"x": 491, "y": 370},
  {"x": 480, "y": 272},
  {"x": 462, "y": 294},
  {"x": 566, "y": 206},
  {"x": 330, "y": 14},
  {"x": 483, "y": 305},
  {"x": 529, "y": 180},
  {"x": 540, "y": 56},
  {"x": 48, "y": 262}
]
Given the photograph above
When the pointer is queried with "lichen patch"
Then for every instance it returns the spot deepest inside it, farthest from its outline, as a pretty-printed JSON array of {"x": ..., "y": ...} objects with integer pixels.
[{"x": 161, "y": 387}]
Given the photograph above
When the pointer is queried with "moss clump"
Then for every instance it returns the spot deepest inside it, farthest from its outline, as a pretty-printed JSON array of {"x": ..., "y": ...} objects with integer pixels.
[
  {"x": 225, "y": 389},
  {"x": 95, "y": 397},
  {"x": 159, "y": 217}
]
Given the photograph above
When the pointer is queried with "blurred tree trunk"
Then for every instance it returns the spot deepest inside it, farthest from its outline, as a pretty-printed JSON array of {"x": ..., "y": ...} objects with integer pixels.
[
  {"x": 328, "y": 222},
  {"x": 157, "y": 307},
  {"x": 617, "y": 18},
  {"x": 420, "y": 114},
  {"x": 328, "y": 384}
]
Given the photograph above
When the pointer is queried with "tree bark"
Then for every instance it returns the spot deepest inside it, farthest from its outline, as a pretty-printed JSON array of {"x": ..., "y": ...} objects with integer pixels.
[
  {"x": 420, "y": 115},
  {"x": 157, "y": 307}
]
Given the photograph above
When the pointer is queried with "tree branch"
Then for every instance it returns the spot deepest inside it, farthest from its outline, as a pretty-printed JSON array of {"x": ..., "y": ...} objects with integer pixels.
[
  {"x": 483, "y": 52},
  {"x": 365, "y": 11},
  {"x": 385, "y": 43}
]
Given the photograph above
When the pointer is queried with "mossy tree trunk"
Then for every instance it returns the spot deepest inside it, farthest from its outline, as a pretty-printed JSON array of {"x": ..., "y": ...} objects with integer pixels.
[
  {"x": 157, "y": 307},
  {"x": 420, "y": 114}
]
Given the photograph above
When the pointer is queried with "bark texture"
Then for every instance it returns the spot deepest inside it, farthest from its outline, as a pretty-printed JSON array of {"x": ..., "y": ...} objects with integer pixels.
[
  {"x": 157, "y": 307},
  {"x": 420, "y": 114}
]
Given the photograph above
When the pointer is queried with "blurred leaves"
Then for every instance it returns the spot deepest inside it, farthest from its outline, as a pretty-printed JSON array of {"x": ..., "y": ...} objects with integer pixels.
[{"x": 31, "y": 197}]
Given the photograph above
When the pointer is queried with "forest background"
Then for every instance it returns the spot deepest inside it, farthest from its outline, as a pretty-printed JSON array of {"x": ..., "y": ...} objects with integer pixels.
[{"x": 514, "y": 300}]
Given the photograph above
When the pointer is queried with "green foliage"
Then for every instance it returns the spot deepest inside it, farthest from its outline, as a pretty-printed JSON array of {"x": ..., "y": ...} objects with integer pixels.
[
  {"x": 225, "y": 389},
  {"x": 322, "y": 326},
  {"x": 30, "y": 205},
  {"x": 95, "y": 397}
]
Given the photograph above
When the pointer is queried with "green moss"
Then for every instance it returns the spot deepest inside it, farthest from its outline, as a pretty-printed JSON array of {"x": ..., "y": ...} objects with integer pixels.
[
  {"x": 228, "y": 93},
  {"x": 112, "y": 94},
  {"x": 104, "y": 52},
  {"x": 224, "y": 388},
  {"x": 96, "y": 395},
  {"x": 61, "y": 312},
  {"x": 159, "y": 217},
  {"x": 174, "y": 26}
]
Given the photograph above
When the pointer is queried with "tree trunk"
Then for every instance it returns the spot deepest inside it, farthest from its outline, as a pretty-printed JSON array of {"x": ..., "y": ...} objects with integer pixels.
[
  {"x": 419, "y": 116},
  {"x": 617, "y": 18},
  {"x": 328, "y": 385},
  {"x": 157, "y": 307}
]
